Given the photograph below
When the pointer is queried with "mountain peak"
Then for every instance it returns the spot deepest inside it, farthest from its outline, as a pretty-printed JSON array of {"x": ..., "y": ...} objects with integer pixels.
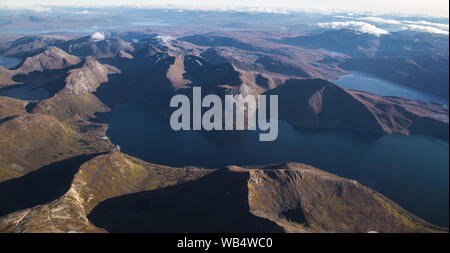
[
  {"x": 48, "y": 59},
  {"x": 88, "y": 77}
]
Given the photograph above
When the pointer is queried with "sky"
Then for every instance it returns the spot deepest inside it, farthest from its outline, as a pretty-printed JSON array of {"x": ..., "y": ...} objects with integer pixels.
[{"x": 423, "y": 7}]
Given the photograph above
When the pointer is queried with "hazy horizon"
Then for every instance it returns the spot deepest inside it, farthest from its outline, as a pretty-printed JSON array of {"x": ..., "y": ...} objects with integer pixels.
[{"x": 437, "y": 8}]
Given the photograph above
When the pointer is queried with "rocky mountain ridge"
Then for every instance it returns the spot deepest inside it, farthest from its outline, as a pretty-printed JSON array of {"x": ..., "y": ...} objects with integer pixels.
[
  {"x": 88, "y": 77},
  {"x": 280, "y": 198},
  {"x": 319, "y": 104}
]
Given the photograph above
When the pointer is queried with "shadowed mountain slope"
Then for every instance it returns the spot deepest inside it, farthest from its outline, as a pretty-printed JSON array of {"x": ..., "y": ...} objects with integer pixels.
[
  {"x": 105, "y": 176},
  {"x": 316, "y": 103},
  {"x": 215, "y": 203},
  {"x": 119, "y": 193},
  {"x": 38, "y": 187}
]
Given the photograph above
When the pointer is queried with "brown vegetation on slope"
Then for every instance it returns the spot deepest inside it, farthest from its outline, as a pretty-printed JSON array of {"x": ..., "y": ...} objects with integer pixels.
[
  {"x": 119, "y": 193},
  {"x": 105, "y": 176},
  {"x": 319, "y": 104}
]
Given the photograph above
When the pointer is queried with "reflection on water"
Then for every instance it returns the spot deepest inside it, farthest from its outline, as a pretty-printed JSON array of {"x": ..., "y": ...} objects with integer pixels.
[
  {"x": 366, "y": 82},
  {"x": 413, "y": 171}
]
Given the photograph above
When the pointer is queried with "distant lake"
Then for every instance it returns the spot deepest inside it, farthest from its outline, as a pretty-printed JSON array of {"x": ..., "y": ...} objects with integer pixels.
[
  {"x": 370, "y": 83},
  {"x": 9, "y": 63},
  {"x": 413, "y": 171}
]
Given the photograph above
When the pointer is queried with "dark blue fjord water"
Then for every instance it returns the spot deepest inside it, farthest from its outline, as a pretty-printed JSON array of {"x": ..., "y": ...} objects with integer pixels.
[
  {"x": 370, "y": 83},
  {"x": 413, "y": 171},
  {"x": 25, "y": 92},
  {"x": 9, "y": 63}
]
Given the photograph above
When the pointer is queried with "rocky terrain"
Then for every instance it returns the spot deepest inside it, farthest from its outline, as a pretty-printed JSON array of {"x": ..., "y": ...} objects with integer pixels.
[
  {"x": 420, "y": 62},
  {"x": 5, "y": 77},
  {"x": 316, "y": 103},
  {"x": 88, "y": 77},
  {"x": 406, "y": 116},
  {"x": 118, "y": 193},
  {"x": 26, "y": 44},
  {"x": 50, "y": 58},
  {"x": 39, "y": 133},
  {"x": 98, "y": 48},
  {"x": 59, "y": 172}
]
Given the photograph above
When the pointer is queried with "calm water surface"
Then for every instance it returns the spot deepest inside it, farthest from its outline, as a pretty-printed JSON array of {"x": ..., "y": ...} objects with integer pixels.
[
  {"x": 413, "y": 171},
  {"x": 369, "y": 83},
  {"x": 9, "y": 63}
]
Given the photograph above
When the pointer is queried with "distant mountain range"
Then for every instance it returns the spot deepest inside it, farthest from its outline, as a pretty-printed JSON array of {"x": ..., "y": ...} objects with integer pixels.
[{"x": 415, "y": 60}]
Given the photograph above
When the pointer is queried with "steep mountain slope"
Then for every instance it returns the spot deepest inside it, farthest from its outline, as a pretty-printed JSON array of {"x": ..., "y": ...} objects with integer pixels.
[
  {"x": 71, "y": 107},
  {"x": 144, "y": 197},
  {"x": 316, "y": 103},
  {"x": 299, "y": 197},
  {"x": 259, "y": 53},
  {"x": 102, "y": 48},
  {"x": 43, "y": 60},
  {"x": 406, "y": 116},
  {"x": 32, "y": 140},
  {"x": 38, "y": 133},
  {"x": 175, "y": 73},
  {"x": 88, "y": 77},
  {"x": 5, "y": 77},
  {"x": 160, "y": 68},
  {"x": 103, "y": 177},
  {"x": 10, "y": 107},
  {"x": 19, "y": 47},
  {"x": 48, "y": 59}
]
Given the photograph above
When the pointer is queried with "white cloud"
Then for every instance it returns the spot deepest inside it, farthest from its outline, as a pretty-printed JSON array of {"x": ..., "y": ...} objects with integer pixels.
[
  {"x": 235, "y": 8},
  {"x": 429, "y": 7},
  {"x": 356, "y": 26},
  {"x": 40, "y": 8},
  {"x": 97, "y": 36},
  {"x": 268, "y": 10},
  {"x": 427, "y": 29},
  {"x": 418, "y": 26},
  {"x": 85, "y": 12},
  {"x": 423, "y": 22},
  {"x": 380, "y": 20}
]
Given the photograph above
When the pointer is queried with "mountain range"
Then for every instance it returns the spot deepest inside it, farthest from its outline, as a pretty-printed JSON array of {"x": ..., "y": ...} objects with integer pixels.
[{"x": 59, "y": 172}]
